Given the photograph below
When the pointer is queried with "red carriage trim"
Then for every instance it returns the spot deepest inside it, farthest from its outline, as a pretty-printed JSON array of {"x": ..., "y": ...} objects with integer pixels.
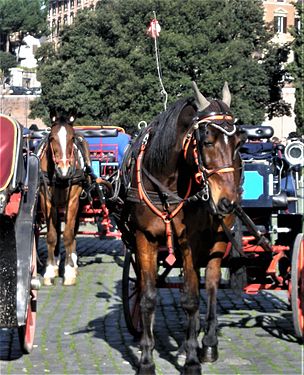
[
  {"x": 8, "y": 145},
  {"x": 12, "y": 208}
]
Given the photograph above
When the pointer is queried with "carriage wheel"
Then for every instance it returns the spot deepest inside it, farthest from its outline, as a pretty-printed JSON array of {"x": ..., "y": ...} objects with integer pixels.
[
  {"x": 131, "y": 295},
  {"x": 297, "y": 286},
  {"x": 27, "y": 332}
]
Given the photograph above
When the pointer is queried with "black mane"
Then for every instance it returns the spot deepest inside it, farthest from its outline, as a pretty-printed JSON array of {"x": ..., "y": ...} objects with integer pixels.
[{"x": 162, "y": 137}]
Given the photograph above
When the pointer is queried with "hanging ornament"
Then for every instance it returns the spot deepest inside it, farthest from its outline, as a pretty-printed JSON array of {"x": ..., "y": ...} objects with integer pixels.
[{"x": 154, "y": 29}]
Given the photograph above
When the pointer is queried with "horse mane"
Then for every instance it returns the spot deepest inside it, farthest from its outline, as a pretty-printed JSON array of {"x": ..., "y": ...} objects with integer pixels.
[
  {"x": 163, "y": 132},
  {"x": 162, "y": 136}
]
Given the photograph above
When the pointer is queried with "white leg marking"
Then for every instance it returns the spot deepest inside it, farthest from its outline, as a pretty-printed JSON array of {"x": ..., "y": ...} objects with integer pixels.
[{"x": 49, "y": 272}]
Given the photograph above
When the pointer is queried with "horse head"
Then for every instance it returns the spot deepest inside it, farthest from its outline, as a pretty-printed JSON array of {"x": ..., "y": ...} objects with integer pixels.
[
  {"x": 61, "y": 141},
  {"x": 217, "y": 141}
]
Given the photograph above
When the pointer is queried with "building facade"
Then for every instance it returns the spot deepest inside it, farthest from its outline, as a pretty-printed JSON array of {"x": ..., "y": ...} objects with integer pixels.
[
  {"x": 282, "y": 15},
  {"x": 62, "y": 12}
]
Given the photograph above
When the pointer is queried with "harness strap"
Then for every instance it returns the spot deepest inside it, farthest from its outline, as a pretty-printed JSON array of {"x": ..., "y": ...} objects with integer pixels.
[
  {"x": 262, "y": 240},
  {"x": 162, "y": 188},
  {"x": 165, "y": 215},
  {"x": 203, "y": 173}
]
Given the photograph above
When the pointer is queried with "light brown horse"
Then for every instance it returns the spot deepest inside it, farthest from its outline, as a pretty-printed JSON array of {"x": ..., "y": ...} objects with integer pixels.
[
  {"x": 185, "y": 170},
  {"x": 63, "y": 159}
]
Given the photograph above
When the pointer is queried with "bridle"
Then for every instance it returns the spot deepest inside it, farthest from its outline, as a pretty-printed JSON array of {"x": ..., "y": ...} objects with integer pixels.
[
  {"x": 193, "y": 137},
  {"x": 56, "y": 160}
]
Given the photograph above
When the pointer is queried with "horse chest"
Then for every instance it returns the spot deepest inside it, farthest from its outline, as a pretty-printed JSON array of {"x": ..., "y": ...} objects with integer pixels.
[{"x": 60, "y": 197}]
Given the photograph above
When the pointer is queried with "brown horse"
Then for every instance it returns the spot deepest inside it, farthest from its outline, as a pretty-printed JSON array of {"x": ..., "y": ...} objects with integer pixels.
[
  {"x": 63, "y": 159},
  {"x": 185, "y": 170}
]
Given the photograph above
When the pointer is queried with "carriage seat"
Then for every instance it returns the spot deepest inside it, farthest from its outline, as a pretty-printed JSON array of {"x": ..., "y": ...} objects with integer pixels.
[
  {"x": 254, "y": 132},
  {"x": 11, "y": 154},
  {"x": 257, "y": 151},
  {"x": 255, "y": 148}
]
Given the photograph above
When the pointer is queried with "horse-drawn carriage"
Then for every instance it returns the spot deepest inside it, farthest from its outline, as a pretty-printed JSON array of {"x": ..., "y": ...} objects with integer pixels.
[
  {"x": 77, "y": 164},
  {"x": 187, "y": 186},
  {"x": 19, "y": 184},
  {"x": 269, "y": 254}
]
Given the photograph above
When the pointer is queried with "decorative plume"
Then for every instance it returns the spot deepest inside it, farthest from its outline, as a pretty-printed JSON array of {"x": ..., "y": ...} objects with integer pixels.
[
  {"x": 226, "y": 94},
  {"x": 201, "y": 101}
]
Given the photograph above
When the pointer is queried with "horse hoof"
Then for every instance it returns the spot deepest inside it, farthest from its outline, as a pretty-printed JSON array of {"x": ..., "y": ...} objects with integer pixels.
[
  {"x": 208, "y": 354},
  {"x": 146, "y": 370},
  {"x": 48, "y": 281},
  {"x": 69, "y": 281},
  {"x": 194, "y": 369}
]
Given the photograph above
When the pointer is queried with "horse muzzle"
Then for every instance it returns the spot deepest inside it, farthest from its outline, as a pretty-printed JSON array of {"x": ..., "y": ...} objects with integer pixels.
[{"x": 223, "y": 208}]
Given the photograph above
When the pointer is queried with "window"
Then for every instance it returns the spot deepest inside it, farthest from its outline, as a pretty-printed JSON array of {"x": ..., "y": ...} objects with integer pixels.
[
  {"x": 58, "y": 25},
  {"x": 297, "y": 23},
  {"x": 53, "y": 27},
  {"x": 280, "y": 24}
]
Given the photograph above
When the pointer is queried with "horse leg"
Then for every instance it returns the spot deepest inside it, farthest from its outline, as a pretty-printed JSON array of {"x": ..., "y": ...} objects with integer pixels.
[
  {"x": 210, "y": 341},
  {"x": 51, "y": 270},
  {"x": 70, "y": 269},
  {"x": 147, "y": 258},
  {"x": 190, "y": 304},
  {"x": 57, "y": 247}
]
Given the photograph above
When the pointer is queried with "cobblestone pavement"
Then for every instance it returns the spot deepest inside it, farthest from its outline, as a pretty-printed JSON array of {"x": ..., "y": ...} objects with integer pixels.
[{"x": 81, "y": 329}]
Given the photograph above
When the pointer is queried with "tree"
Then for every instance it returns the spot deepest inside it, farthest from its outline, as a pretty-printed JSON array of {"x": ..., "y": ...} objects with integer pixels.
[
  {"x": 297, "y": 68},
  {"x": 7, "y": 61},
  {"x": 21, "y": 16},
  {"x": 105, "y": 65}
]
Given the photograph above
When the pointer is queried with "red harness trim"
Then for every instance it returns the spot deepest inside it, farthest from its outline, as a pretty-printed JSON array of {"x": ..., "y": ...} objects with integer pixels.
[
  {"x": 57, "y": 160},
  {"x": 164, "y": 215},
  {"x": 199, "y": 175},
  {"x": 218, "y": 117}
]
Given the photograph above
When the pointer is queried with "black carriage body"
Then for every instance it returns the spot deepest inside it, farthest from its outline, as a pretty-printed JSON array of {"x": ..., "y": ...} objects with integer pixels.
[
  {"x": 272, "y": 201},
  {"x": 18, "y": 216}
]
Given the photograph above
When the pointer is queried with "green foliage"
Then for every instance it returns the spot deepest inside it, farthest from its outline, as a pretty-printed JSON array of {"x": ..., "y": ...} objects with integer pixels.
[
  {"x": 296, "y": 68},
  {"x": 106, "y": 69},
  {"x": 7, "y": 61},
  {"x": 275, "y": 59},
  {"x": 22, "y": 16}
]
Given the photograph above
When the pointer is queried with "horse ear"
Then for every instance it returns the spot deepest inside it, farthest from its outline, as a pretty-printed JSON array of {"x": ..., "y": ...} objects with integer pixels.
[
  {"x": 226, "y": 94},
  {"x": 201, "y": 101},
  {"x": 53, "y": 115}
]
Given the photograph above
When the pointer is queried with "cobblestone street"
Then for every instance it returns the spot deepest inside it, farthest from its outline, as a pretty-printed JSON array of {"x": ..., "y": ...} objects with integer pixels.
[{"x": 81, "y": 329}]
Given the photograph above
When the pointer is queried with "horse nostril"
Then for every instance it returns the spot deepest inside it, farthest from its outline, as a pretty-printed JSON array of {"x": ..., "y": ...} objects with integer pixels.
[{"x": 225, "y": 206}]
